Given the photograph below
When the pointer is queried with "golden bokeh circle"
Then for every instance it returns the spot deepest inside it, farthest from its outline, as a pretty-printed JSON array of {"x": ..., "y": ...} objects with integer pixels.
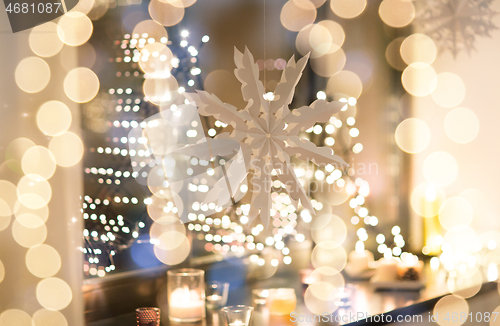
[
  {"x": 31, "y": 218},
  {"x": 329, "y": 64},
  {"x": 15, "y": 151},
  {"x": 161, "y": 91},
  {"x": 348, "y": 9},
  {"x": 151, "y": 29},
  {"x": 180, "y": 3},
  {"x": 328, "y": 227},
  {"x": 440, "y": 168},
  {"x": 53, "y": 118},
  {"x": 325, "y": 37},
  {"x": 53, "y": 293},
  {"x": 451, "y": 305},
  {"x": 455, "y": 211},
  {"x": 74, "y": 28},
  {"x": 67, "y": 149},
  {"x": 321, "y": 298},
  {"x": 419, "y": 79},
  {"x": 44, "y": 317},
  {"x": 81, "y": 85},
  {"x": 393, "y": 54},
  {"x": 418, "y": 48},
  {"x": 28, "y": 237},
  {"x": 449, "y": 91},
  {"x": 32, "y": 74},
  {"x": 413, "y": 135},
  {"x": 297, "y": 14},
  {"x": 465, "y": 286},
  {"x": 15, "y": 317},
  {"x": 8, "y": 197},
  {"x": 38, "y": 161},
  {"x": 34, "y": 191},
  {"x": 177, "y": 255},
  {"x": 43, "y": 261},
  {"x": 164, "y": 224},
  {"x": 44, "y": 40},
  {"x": 165, "y": 13},
  {"x": 156, "y": 60},
  {"x": 461, "y": 125},
  {"x": 426, "y": 199},
  {"x": 397, "y": 13},
  {"x": 329, "y": 254},
  {"x": 346, "y": 83},
  {"x": 328, "y": 275}
]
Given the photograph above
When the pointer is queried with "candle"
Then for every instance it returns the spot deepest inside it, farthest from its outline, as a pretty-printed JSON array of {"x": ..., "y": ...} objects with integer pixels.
[
  {"x": 186, "y": 304},
  {"x": 237, "y": 323},
  {"x": 359, "y": 261}
]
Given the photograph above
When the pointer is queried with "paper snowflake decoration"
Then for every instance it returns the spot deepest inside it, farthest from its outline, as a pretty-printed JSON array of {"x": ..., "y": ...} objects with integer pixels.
[
  {"x": 455, "y": 24},
  {"x": 268, "y": 131}
]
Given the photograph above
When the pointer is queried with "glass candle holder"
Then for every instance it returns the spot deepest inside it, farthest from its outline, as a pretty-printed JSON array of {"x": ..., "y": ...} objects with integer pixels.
[
  {"x": 259, "y": 297},
  {"x": 281, "y": 301},
  {"x": 186, "y": 295},
  {"x": 148, "y": 316},
  {"x": 237, "y": 315},
  {"x": 216, "y": 294}
]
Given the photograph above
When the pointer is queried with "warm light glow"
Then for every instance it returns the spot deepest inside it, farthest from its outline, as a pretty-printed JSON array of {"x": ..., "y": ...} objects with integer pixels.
[
  {"x": 32, "y": 74},
  {"x": 393, "y": 54},
  {"x": 15, "y": 317},
  {"x": 450, "y": 90},
  {"x": 321, "y": 298},
  {"x": 161, "y": 91},
  {"x": 67, "y": 149},
  {"x": 296, "y": 14},
  {"x": 420, "y": 203},
  {"x": 461, "y": 125},
  {"x": 29, "y": 237},
  {"x": 455, "y": 211},
  {"x": 2, "y": 271},
  {"x": 44, "y": 317},
  {"x": 151, "y": 28},
  {"x": 451, "y": 305},
  {"x": 34, "y": 191},
  {"x": 419, "y": 79},
  {"x": 74, "y": 28},
  {"x": 53, "y": 293},
  {"x": 345, "y": 83},
  {"x": 326, "y": 37},
  {"x": 413, "y": 135},
  {"x": 44, "y": 40},
  {"x": 397, "y": 13},
  {"x": 53, "y": 118},
  {"x": 440, "y": 168},
  {"x": 43, "y": 261},
  {"x": 348, "y": 8},
  {"x": 418, "y": 48},
  {"x": 81, "y": 85},
  {"x": 8, "y": 199},
  {"x": 328, "y": 228},
  {"x": 165, "y": 13},
  {"x": 38, "y": 162},
  {"x": 329, "y": 254}
]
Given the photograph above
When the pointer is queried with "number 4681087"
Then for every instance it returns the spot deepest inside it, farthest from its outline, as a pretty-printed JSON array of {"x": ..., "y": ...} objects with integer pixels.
[{"x": 39, "y": 8}]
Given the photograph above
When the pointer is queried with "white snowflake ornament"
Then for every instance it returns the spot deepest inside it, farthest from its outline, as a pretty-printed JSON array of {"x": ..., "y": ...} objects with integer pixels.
[{"x": 269, "y": 131}]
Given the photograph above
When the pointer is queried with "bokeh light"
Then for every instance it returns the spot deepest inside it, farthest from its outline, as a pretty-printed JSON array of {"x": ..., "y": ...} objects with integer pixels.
[
  {"x": 32, "y": 74},
  {"x": 161, "y": 91},
  {"x": 43, "y": 261},
  {"x": 165, "y": 13},
  {"x": 426, "y": 199},
  {"x": 28, "y": 237},
  {"x": 321, "y": 298},
  {"x": 74, "y": 28},
  {"x": 81, "y": 85},
  {"x": 15, "y": 317},
  {"x": 461, "y": 125},
  {"x": 328, "y": 275},
  {"x": 297, "y": 14},
  {"x": 328, "y": 227},
  {"x": 413, "y": 135},
  {"x": 348, "y": 8},
  {"x": 38, "y": 161},
  {"x": 44, "y": 40},
  {"x": 440, "y": 168},
  {"x": 329, "y": 254},
  {"x": 31, "y": 218},
  {"x": 34, "y": 191},
  {"x": 8, "y": 198},
  {"x": 44, "y": 317},
  {"x": 150, "y": 28},
  {"x": 397, "y": 13},
  {"x": 156, "y": 60},
  {"x": 418, "y": 48},
  {"x": 465, "y": 286},
  {"x": 345, "y": 84},
  {"x": 177, "y": 254},
  {"x": 419, "y": 79},
  {"x": 180, "y": 3},
  {"x": 326, "y": 37},
  {"x": 329, "y": 64},
  {"x": 451, "y": 305},
  {"x": 393, "y": 54},
  {"x": 15, "y": 151},
  {"x": 67, "y": 149},
  {"x": 53, "y": 293},
  {"x": 450, "y": 90},
  {"x": 53, "y": 118},
  {"x": 455, "y": 211},
  {"x": 2, "y": 271}
]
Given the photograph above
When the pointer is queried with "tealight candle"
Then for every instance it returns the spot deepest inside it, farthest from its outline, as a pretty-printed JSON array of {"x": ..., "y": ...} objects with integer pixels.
[
  {"x": 186, "y": 295},
  {"x": 282, "y": 301},
  {"x": 387, "y": 270},
  {"x": 237, "y": 315},
  {"x": 359, "y": 261}
]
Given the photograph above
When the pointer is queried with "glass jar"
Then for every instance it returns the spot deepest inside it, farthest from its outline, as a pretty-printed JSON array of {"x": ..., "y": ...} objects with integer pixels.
[{"x": 186, "y": 295}]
